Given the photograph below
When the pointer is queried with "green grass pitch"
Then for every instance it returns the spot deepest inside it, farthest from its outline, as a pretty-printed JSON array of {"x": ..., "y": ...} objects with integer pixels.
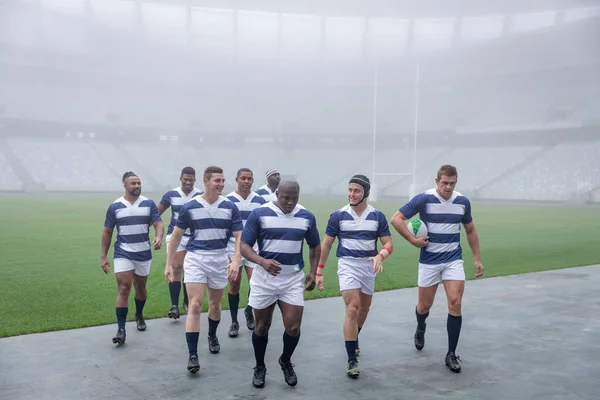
[{"x": 50, "y": 257}]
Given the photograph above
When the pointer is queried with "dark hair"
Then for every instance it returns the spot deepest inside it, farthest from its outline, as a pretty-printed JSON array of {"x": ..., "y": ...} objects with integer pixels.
[
  {"x": 447, "y": 170},
  {"x": 128, "y": 174},
  {"x": 212, "y": 170},
  {"x": 244, "y": 170},
  {"x": 188, "y": 171}
]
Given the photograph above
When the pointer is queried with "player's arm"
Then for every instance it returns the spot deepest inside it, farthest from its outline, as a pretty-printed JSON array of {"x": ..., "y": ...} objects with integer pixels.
[
  {"x": 105, "y": 245},
  {"x": 164, "y": 204},
  {"x": 159, "y": 227},
  {"x": 326, "y": 245},
  {"x": 385, "y": 252},
  {"x": 235, "y": 264},
  {"x": 400, "y": 217},
  {"x": 176, "y": 236},
  {"x": 249, "y": 237},
  {"x": 314, "y": 254},
  {"x": 473, "y": 240}
]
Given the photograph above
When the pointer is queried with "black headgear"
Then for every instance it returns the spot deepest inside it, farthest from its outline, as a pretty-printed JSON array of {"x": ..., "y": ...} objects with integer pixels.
[{"x": 365, "y": 183}]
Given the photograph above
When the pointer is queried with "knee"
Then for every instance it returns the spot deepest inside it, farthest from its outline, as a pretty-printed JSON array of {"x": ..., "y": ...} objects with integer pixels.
[
  {"x": 364, "y": 310},
  {"x": 214, "y": 306},
  {"x": 195, "y": 308},
  {"x": 293, "y": 330},
  {"x": 352, "y": 311},
  {"x": 234, "y": 287},
  {"x": 262, "y": 328},
  {"x": 454, "y": 304},
  {"x": 124, "y": 289},
  {"x": 177, "y": 268}
]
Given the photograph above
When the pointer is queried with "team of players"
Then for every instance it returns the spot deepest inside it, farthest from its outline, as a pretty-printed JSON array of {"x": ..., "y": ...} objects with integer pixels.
[{"x": 212, "y": 236}]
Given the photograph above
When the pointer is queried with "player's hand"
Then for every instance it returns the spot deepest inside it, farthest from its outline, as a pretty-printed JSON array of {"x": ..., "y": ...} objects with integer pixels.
[
  {"x": 320, "y": 281},
  {"x": 377, "y": 263},
  {"x": 479, "y": 269},
  {"x": 233, "y": 270},
  {"x": 105, "y": 265},
  {"x": 420, "y": 242},
  {"x": 157, "y": 243},
  {"x": 271, "y": 266},
  {"x": 310, "y": 281},
  {"x": 169, "y": 273}
]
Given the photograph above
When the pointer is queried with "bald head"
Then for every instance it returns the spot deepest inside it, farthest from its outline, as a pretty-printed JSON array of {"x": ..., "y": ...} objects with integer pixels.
[{"x": 287, "y": 195}]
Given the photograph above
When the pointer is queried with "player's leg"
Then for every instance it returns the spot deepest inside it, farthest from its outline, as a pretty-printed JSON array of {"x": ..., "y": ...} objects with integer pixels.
[
  {"x": 352, "y": 301},
  {"x": 454, "y": 284},
  {"x": 262, "y": 299},
  {"x": 363, "y": 311},
  {"x": 233, "y": 297},
  {"x": 192, "y": 322},
  {"x": 215, "y": 295},
  {"x": 124, "y": 276},
  {"x": 175, "y": 286},
  {"x": 248, "y": 310},
  {"x": 140, "y": 277},
  {"x": 428, "y": 281},
  {"x": 292, "y": 320}
]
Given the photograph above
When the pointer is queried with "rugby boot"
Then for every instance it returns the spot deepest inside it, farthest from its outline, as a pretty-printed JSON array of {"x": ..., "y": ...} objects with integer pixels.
[
  {"x": 288, "y": 372},
  {"x": 453, "y": 362},
  {"x": 119, "y": 337}
]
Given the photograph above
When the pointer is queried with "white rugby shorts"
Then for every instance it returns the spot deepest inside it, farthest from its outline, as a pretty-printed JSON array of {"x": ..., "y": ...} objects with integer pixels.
[
  {"x": 432, "y": 274},
  {"x": 231, "y": 253},
  {"x": 140, "y": 268},
  {"x": 266, "y": 289},
  {"x": 356, "y": 273},
  {"x": 206, "y": 268},
  {"x": 182, "y": 244}
]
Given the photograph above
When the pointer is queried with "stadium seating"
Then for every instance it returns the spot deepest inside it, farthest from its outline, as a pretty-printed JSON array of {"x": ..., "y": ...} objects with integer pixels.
[{"x": 8, "y": 179}]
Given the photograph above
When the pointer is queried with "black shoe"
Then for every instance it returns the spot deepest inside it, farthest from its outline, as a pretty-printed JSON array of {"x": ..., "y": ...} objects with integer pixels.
[
  {"x": 193, "y": 364},
  {"x": 120, "y": 337},
  {"x": 141, "y": 324},
  {"x": 453, "y": 362},
  {"x": 420, "y": 338},
  {"x": 288, "y": 372},
  {"x": 258, "y": 380},
  {"x": 234, "y": 329},
  {"x": 249, "y": 318},
  {"x": 352, "y": 369},
  {"x": 357, "y": 351},
  {"x": 213, "y": 344},
  {"x": 174, "y": 312}
]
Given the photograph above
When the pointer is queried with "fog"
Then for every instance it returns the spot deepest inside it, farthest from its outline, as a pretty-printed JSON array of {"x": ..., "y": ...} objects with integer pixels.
[{"x": 507, "y": 92}]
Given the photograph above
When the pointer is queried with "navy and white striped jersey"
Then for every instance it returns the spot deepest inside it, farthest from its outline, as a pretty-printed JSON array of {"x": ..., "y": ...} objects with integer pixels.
[
  {"x": 266, "y": 193},
  {"x": 281, "y": 236},
  {"x": 245, "y": 206},
  {"x": 175, "y": 199},
  {"x": 210, "y": 224},
  {"x": 443, "y": 219},
  {"x": 133, "y": 222},
  {"x": 357, "y": 235}
]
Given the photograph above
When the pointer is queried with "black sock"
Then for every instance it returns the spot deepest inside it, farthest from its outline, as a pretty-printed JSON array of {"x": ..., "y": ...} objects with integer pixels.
[
  {"x": 248, "y": 308},
  {"x": 359, "y": 328},
  {"x": 139, "y": 307},
  {"x": 122, "y": 316},
  {"x": 174, "y": 290},
  {"x": 421, "y": 319},
  {"x": 234, "y": 303},
  {"x": 351, "y": 349},
  {"x": 185, "y": 296},
  {"x": 212, "y": 327},
  {"x": 192, "y": 342},
  {"x": 289, "y": 345},
  {"x": 453, "y": 326},
  {"x": 260, "y": 348}
]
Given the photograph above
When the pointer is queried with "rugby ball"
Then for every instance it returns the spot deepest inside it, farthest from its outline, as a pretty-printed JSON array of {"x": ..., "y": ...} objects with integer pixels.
[{"x": 417, "y": 228}]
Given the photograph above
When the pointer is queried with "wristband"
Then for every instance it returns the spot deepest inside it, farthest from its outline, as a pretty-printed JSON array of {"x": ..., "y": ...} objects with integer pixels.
[
  {"x": 384, "y": 256},
  {"x": 319, "y": 274},
  {"x": 321, "y": 266}
]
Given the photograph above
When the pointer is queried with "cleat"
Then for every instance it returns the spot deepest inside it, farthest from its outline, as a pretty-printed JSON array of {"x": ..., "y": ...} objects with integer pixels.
[
  {"x": 352, "y": 369},
  {"x": 288, "y": 372},
  {"x": 141, "y": 324},
  {"x": 213, "y": 345},
  {"x": 234, "y": 329},
  {"x": 258, "y": 380},
  {"x": 420, "y": 338},
  {"x": 174, "y": 312},
  {"x": 357, "y": 352},
  {"x": 249, "y": 318},
  {"x": 453, "y": 362},
  {"x": 193, "y": 364},
  {"x": 120, "y": 337}
]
